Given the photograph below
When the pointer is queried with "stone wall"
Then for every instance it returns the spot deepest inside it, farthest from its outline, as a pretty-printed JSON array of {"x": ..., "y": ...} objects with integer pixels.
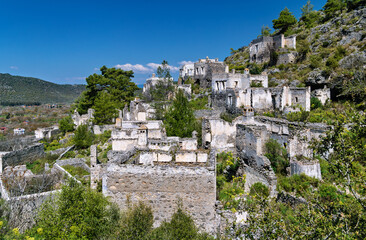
[
  {"x": 309, "y": 168},
  {"x": 286, "y": 58},
  {"x": 187, "y": 89},
  {"x": 209, "y": 113},
  {"x": 22, "y": 156},
  {"x": 99, "y": 129},
  {"x": 46, "y": 132},
  {"x": 16, "y": 143},
  {"x": 24, "y": 209},
  {"x": 76, "y": 162},
  {"x": 219, "y": 134},
  {"x": 249, "y": 144},
  {"x": 163, "y": 187},
  {"x": 323, "y": 94}
]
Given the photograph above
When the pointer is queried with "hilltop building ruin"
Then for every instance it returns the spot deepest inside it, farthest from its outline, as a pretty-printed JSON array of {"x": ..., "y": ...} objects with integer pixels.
[{"x": 261, "y": 48}]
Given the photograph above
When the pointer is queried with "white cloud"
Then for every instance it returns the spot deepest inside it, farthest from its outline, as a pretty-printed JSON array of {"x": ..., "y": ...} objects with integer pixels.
[
  {"x": 148, "y": 68},
  {"x": 96, "y": 69},
  {"x": 136, "y": 68},
  {"x": 14, "y": 67},
  {"x": 185, "y": 62}
]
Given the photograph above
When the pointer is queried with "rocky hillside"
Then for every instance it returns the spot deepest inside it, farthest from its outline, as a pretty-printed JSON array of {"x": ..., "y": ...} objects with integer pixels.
[
  {"x": 328, "y": 52},
  {"x": 18, "y": 89}
]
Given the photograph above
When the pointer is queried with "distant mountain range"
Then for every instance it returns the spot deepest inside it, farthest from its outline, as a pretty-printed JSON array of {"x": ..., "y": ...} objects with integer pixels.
[{"x": 18, "y": 89}]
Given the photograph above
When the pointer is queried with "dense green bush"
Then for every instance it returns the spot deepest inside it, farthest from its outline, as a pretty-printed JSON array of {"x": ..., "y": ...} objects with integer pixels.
[
  {"x": 315, "y": 103},
  {"x": 66, "y": 124},
  {"x": 199, "y": 103},
  {"x": 256, "y": 84},
  {"x": 315, "y": 61},
  {"x": 260, "y": 190},
  {"x": 179, "y": 119},
  {"x": 228, "y": 117},
  {"x": 277, "y": 155},
  {"x": 136, "y": 223},
  {"x": 229, "y": 186},
  {"x": 83, "y": 137},
  {"x": 299, "y": 184},
  {"x": 300, "y": 116},
  {"x": 180, "y": 227},
  {"x": 77, "y": 213}
]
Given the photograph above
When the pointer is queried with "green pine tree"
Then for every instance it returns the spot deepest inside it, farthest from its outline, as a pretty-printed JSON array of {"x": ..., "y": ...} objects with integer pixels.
[
  {"x": 105, "y": 108},
  {"x": 285, "y": 21},
  {"x": 179, "y": 119}
]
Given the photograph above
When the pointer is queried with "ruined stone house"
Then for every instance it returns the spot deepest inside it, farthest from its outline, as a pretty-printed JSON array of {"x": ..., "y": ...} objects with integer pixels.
[
  {"x": 260, "y": 49},
  {"x": 203, "y": 71}
]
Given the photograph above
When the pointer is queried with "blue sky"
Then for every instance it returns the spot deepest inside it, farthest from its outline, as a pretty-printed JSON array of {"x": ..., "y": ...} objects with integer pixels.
[{"x": 66, "y": 41}]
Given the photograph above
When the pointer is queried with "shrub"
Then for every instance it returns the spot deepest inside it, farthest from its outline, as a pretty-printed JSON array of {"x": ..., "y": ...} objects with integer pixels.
[
  {"x": 256, "y": 84},
  {"x": 315, "y": 103},
  {"x": 66, "y": 124},
  {"x": 104, "y": 137},
  {"x": 299, "y": 184},
  {"x": 77, "y": 213},
  {"x": 180, "y": 227},
  {"x": 199, "y": 103},
  {"x": 228, "y": 117},
  {"x": 277, "y": 155},
  {"x": 260, "y": 190},
  {"x": 332, "y": 62},
  {"x": 179, "y": 119},
  {"x": 83, "y": 137},
  {"x": 301, "y": 116},
  {"x": 137, "y": 222},
  {"x": 315, "y": 61}
]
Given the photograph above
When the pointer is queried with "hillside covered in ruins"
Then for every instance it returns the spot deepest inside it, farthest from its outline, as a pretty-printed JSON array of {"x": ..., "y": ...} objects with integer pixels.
[{"x": 329, "y": 49}]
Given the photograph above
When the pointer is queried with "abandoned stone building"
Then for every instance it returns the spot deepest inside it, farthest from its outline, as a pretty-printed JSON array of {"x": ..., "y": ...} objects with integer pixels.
[
  {"x": 203, "y": 71},
  {"x": 84, "y": 119},
  {"x": 152, "y": 82},
  {"x": 235, "y": 91},
  {"x": 186, "y": 71},
  {"x": 260, "y": 49},
  {"x": 146, "y": 165},
  {"x": 47, "y": 133}
]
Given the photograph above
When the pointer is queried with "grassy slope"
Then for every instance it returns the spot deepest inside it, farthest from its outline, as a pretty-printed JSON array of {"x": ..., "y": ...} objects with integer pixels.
[{"x": 27, "y": 89}]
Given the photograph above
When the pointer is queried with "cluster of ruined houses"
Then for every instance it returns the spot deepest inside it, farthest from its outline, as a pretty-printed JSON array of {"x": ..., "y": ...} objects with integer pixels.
[{"x": 146, "y": 165}]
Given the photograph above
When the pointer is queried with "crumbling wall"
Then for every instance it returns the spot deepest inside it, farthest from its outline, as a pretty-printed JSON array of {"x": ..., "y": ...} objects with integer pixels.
[
  {"x": 286, "y": 58},
  {"x": 309, "y": 168},
  {"x": 99, "y": 129},
  {"x": 162, "y": 188},
  {"x": 261, "y": 99},
  {"x": 323, "y": 94},
  {"x": 249, "y": 148},
  {"x": 22, "y": 156},
  {"x": 48, "y": 133},
  {"x": 24, "y": 209},
  {"x": 17, "y": 143},
  {"x": 186, "y": 88},
  {"x": 219, "y": 134}
]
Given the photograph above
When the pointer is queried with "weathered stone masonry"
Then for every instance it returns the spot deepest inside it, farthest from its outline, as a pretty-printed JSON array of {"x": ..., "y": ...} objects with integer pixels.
[{"x": 163, "y": 187}]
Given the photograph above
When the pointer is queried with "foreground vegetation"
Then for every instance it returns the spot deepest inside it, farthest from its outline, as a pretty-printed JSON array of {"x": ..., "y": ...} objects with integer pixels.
[{"x": 81, "y": 213}]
